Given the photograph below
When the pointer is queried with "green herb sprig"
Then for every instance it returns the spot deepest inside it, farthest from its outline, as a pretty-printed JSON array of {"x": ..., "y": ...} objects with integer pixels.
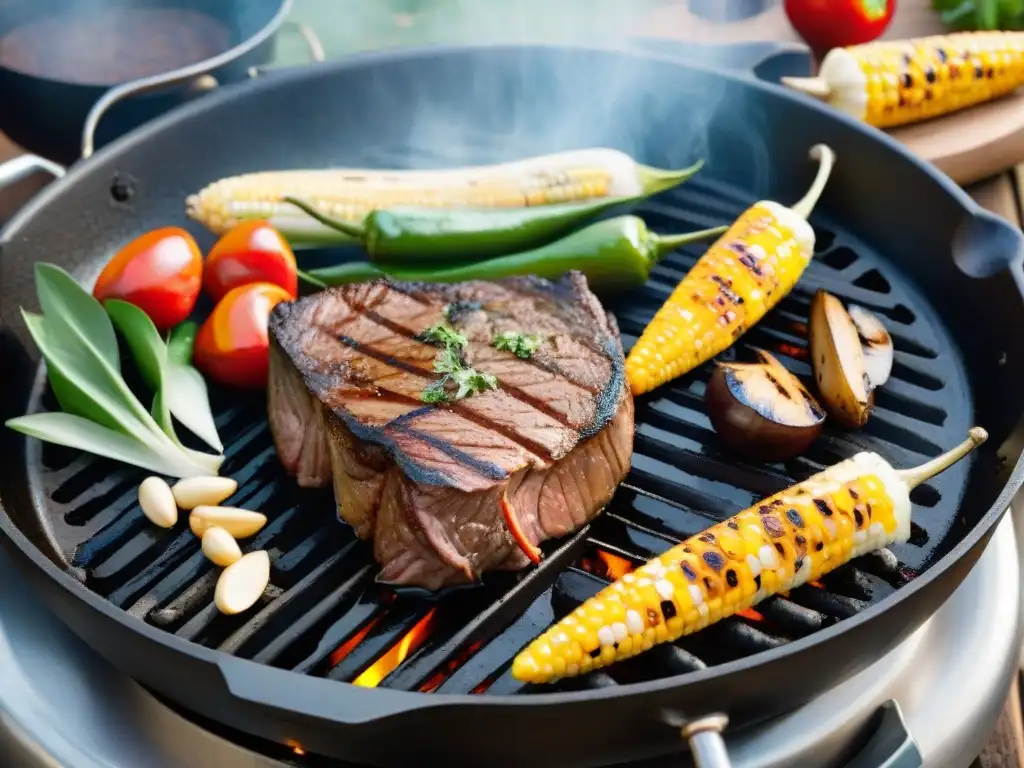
[
  {"x": 467, "y": 381},
  {"x": 100, "y": 414},
  {"x": 518, "y": 344}
]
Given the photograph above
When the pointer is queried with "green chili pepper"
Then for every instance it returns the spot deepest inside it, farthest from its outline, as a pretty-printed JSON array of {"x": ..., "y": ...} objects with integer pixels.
[
  {"x": 410, "y": 235},
  {"x": 615, "y": 254}
]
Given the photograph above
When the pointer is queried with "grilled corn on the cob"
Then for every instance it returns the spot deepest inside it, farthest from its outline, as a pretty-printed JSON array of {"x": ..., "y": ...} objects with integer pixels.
[
  {"x": 744, "y": 274},
  {"x": 350, "y": 194},
  {"x": 793, "y": 537},
  {"x": 891, "y": 83}
]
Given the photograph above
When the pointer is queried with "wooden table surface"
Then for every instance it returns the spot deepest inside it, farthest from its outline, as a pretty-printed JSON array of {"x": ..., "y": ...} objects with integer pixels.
[{"x": 671, "y": 19}]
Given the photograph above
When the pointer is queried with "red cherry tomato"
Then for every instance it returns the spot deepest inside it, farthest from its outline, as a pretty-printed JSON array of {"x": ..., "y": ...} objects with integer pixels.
[
  {"x": 251, "y": 252},
  {"x": 160, "y": 272},
  {"x": 826, "y": 24},
  {"x": 232, "y": 345}
]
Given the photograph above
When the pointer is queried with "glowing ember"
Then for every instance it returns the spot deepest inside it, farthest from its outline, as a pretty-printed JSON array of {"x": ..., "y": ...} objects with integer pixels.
[
  {"x": 751, "y": 614},
  {"x": 345, "y": 648},
  {"x": 296, "y": 747},
  {"x": 387, "y": 663},
  {"x": 791, "y": 350},
  {"x": 448, "y": 669},
  {"x": 606, "y": 565}
]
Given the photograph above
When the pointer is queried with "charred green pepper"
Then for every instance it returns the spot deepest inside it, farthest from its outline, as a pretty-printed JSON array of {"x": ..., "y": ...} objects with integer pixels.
[{"x": 614, "y": 254}]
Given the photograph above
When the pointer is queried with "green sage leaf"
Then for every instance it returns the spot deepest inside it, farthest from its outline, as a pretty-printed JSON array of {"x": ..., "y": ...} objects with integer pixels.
[
  {"x": 75, "y": 313},
  {"x": 75, "y": 432}
]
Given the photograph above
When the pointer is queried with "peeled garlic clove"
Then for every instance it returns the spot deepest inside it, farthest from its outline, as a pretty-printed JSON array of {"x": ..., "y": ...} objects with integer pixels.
[
  {"x": 220, "y": 547},
  {"x": 210, "y": 491},
  {"x": 241, "y": 584},
  {"x": 877, "y": 345},
  {"x": 157, "y": 502},
  {"x": 238, "y": 522}
]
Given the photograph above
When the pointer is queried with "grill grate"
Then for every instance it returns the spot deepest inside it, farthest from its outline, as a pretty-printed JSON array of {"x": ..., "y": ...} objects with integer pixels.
[{"x": 325, "y": 615}]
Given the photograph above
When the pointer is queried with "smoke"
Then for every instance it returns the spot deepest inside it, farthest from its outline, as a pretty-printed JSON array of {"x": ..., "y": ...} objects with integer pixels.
[{"x": 532, "y": 105}]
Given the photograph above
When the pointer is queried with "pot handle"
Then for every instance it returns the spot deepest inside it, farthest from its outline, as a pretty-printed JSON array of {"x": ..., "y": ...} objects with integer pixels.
[
  {"x": 197, "y": 76},
  {"x": 23, "y": 166}
]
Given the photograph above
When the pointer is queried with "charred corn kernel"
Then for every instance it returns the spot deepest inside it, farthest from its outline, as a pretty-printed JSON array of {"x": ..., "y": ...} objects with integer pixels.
[
  {"x": 350, "y": 194},
  {"x": 795, "y": 536},
  {"x": 744, "y": 274},
  {"x": 889, "y": 83},
  {"x": 791, "y": 538}
]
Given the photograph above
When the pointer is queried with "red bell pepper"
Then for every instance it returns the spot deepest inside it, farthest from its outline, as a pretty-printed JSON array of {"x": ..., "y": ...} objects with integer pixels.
[{"x": 826, "y": 24}]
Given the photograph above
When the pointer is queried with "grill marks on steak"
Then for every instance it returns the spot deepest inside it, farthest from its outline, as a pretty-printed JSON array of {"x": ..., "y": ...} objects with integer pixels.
[{"x": 425, "y": 482}]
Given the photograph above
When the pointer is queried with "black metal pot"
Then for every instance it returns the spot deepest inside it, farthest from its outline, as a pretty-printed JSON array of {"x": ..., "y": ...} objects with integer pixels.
[{"x": 63, "y": 120}]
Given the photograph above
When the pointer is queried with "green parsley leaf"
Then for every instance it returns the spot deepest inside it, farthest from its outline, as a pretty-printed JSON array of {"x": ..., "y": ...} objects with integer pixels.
[
  {"x": 443, "y": 334},
  {"x": 436, "y": 392},
  {"x": 518, "y": 344},
  {"x": 449, "y": 361},
  {"x": 472, "y": 382}
]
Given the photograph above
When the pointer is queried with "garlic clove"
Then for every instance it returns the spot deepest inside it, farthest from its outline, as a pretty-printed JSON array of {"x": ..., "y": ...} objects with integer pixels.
[
  {"x": 210, "y": 491},
  {"x": 241, "y": 584},
  {"x": 157, "y": 502},
  {"x": 220, "y": 547},
  {"x": 238, "y": 522}
]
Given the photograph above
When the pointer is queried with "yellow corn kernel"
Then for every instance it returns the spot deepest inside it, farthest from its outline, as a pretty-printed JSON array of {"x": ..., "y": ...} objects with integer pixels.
[
  {"x": 743, "y": 275},
  {"x": 227, "y": 202},
  {"x": 796, "y": 536},
  {"x": 890, "y": 83}
]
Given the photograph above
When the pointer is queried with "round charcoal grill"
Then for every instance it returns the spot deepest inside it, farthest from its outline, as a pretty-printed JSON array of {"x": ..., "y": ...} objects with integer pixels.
[{"x": 913, "y": 249}]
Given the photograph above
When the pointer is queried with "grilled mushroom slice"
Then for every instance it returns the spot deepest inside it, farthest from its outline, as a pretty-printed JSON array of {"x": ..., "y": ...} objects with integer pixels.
[
  {"x": 838, "y": 361},
  {"x": 761, "y": 410},
  {"x": 876, "y": 343}
]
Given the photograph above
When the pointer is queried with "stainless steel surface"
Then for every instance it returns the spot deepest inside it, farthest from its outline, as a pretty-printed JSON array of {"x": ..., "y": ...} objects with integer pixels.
[{"x": 950, "y": 679}]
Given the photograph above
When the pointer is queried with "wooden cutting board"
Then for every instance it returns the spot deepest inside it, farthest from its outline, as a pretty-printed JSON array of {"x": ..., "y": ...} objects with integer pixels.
[{"x": 967, "y": 146}]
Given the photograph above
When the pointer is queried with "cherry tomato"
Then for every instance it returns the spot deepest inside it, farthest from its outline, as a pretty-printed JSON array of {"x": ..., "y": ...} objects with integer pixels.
[
  {"x": 232, "y": 345},
  {"x": 160, "y": 272},
  {"x": 826, "y": 24},
  {"x": 251, "y": 252}
]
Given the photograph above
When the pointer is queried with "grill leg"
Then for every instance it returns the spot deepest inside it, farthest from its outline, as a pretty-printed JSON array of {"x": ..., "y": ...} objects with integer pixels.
[{"x": 706, "y": 742}]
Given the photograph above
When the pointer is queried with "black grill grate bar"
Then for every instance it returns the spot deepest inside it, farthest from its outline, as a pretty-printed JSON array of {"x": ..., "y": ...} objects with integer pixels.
[
  {"x": 298, "y": 592},
  {"x": 365, "y": 607},
  {"x": 489, "y": 623}
]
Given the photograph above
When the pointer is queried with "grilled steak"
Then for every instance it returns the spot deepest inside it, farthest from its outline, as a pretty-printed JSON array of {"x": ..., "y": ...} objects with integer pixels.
[{"x": 426, "y": 482}]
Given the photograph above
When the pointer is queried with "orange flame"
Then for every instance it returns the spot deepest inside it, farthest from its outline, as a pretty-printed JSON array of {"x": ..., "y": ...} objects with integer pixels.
[
  {"x": 395, "y": 655},
  {"x": 606, "y": 565},
  {"x": 750, "y": 613},
  {"x": 345, "y": 648},
  {"x": 449, "y": 668}
]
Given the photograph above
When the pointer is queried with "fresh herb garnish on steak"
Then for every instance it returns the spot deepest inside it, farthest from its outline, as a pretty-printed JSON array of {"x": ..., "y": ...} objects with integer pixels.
[
  {"x": 518, "y": 344},
  {"x": 472, "y": 382},
  {"x": 467, "y": 381},
  {"x": 443, "y": 334}
]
